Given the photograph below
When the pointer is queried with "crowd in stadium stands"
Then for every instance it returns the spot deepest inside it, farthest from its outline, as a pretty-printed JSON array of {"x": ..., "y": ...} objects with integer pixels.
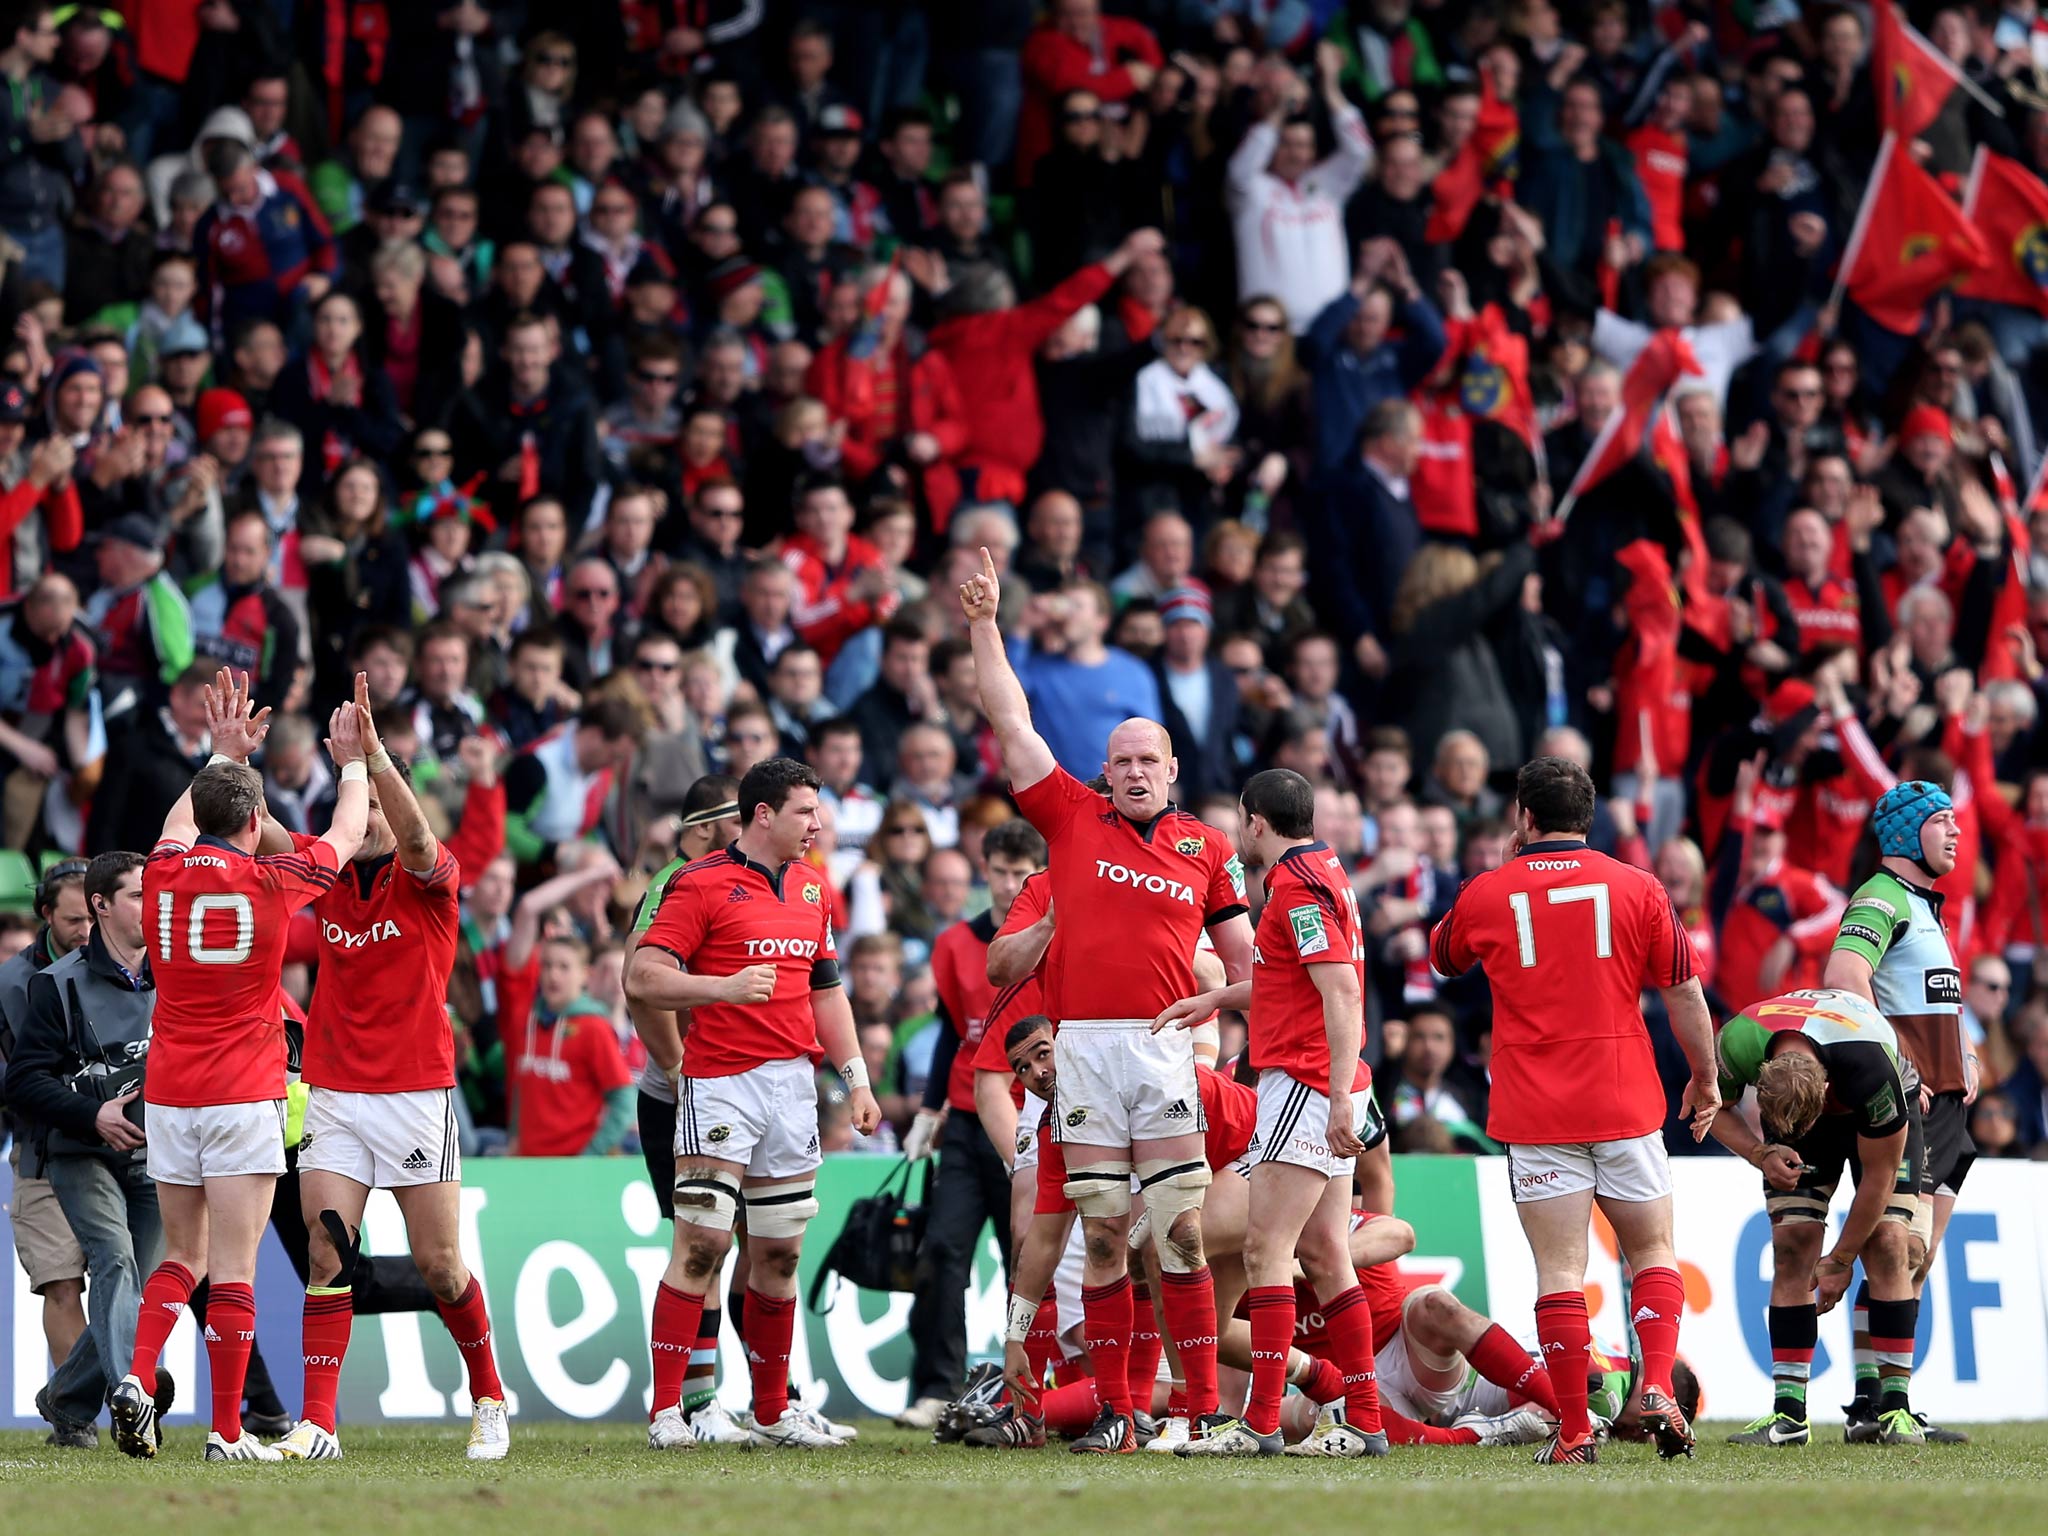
[{"x": 1391, "y": 390}]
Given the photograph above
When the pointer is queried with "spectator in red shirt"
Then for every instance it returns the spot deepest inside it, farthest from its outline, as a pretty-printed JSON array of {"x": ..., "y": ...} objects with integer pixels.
[
  {"x": 901, "y": 411},
  {"x": 1078, "y": 49},
  {"x": 843, "y": 590}
]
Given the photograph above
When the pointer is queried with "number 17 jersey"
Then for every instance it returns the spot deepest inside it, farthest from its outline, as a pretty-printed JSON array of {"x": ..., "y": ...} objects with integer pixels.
[
  {"x": 1569, "y": 938},
  {"x": 215, "y": 920}
]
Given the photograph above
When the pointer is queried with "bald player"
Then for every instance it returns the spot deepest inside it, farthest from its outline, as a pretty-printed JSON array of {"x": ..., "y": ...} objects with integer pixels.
[{"x": 1135, "y": 883}]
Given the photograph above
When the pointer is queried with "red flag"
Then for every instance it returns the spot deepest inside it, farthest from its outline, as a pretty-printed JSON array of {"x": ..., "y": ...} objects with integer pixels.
[
  {"x": 2009, "y": 206},
  {"x": 1491, "y": 366},
  {"x": 1910, "y": 242},
  {"x": 1912, "y": 77},
  {"x": 1650, "y": 377},
  {"x": 1704, "y": 611}
]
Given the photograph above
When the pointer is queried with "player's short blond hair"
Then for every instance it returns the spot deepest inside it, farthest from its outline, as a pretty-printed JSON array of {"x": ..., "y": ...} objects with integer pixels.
[
  {"x": 224, "y": 797},
  {"x": 1789, "y": 1093}
]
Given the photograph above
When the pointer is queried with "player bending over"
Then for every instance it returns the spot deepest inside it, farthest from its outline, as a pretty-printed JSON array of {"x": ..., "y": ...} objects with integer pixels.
[
  {"x": 217, "y": 915},
  {"x": 1569, "y": 938},
  {"x": 1134, "y": 883},
  {"x": 744, "y": 939},
  {"x": 1830, "y": 1090}
]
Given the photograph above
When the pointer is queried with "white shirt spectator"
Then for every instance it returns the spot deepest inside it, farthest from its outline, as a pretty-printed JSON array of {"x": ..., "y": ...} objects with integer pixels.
[
  {"x": 1290, "y": 235},
  {"x": 1721, "y": 349}
]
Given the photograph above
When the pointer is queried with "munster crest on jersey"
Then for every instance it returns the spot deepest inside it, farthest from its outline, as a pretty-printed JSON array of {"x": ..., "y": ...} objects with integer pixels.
[{"x": 1190, "y": 846}]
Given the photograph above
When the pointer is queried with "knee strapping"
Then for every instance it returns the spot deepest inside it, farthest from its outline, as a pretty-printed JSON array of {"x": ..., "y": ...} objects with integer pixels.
[
  {"x": 348, "y": 1247},
  {"x": 1100, "y": 1190},
  {"x": 1172, "y": 1189},
  {"x": 781, "y": 1210},
  {"x": 709, "y": 1200}
]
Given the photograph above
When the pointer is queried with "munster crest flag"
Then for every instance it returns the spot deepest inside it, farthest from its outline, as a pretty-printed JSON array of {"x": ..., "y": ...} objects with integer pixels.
[
  {"x": 2009, "y": 206},
  {"x": 1912, "y": 77},
  {"x": 1910, "y": 242},
  {"x": 1649, "y": 378}
]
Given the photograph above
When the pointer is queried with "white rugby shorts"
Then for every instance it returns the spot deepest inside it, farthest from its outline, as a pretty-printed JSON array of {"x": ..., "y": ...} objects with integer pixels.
[
  {"x": 214, "y": 1141},
  {"x": 382, "y": 1140},
  {"x": 1294, "y": 1125},
  {"x": 1634, "y": 1170},
  {"x": 1118, "y": 1083},
  {"x": 765, "y": 1119},
  {"x": 1027, "y": 1133}
]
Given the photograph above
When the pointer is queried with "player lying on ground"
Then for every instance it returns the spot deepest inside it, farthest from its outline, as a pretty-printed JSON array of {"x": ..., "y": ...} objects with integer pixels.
[
  {"x": 216, "y": 1085},
  {"x": 1830, "y": 1090},
  {"x": 1569, "y": 939},
  {"x": 744, "y": 939},
  {"x": 1136, "y": 887}
]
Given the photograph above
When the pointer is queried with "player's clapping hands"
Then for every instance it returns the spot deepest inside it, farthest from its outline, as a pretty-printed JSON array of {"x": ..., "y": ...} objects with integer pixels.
[
  {"x": 235, "y": 727},
  {"x": 345, "y": 736}
]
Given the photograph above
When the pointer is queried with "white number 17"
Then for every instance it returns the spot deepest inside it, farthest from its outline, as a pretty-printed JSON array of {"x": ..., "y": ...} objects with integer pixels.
[{"x": 1603, "y": 919}]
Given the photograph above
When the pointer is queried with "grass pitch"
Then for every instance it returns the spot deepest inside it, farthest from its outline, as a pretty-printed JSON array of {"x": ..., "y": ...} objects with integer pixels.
[{"x": 574, "y": 1478}]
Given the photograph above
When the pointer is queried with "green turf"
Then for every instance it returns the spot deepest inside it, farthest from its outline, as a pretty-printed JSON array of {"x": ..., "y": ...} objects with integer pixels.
[{"x": 562, "y": 1478}]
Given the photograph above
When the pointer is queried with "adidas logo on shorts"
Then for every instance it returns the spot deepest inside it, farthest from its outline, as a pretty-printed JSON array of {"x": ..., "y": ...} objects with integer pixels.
[
  {"x": 739, "y": 893},
  {"x": 416, "y": 1162},
  {"x": 1177, "y": 1110}
]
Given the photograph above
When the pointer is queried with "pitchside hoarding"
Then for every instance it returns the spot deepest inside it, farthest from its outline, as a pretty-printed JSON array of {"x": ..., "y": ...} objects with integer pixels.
[{"x": 570, "y": 1252}]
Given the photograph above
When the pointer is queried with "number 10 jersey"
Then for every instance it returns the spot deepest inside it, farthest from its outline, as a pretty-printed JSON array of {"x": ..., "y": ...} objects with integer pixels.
[
  {"x": 214, "y": 921},
  {"x": 1569, "y": 938}
]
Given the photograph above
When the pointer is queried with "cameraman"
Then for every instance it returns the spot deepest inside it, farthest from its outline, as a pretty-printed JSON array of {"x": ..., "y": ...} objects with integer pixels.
[
  {"x": 48, "y": 1252},
  {"x": 73, "y": 1077}
]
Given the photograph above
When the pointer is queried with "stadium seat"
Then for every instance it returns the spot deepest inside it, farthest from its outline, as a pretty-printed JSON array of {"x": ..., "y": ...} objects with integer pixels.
[{"x": 17, "y": 882}]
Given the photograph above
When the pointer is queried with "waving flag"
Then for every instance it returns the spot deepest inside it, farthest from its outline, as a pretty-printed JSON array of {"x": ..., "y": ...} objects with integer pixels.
[
  {"x": 1913, "y": 77},
  {"x": 2009, "y": 206},
  {"x": 1657, "y": 367},
  {"x": 1910, "y": 242}
]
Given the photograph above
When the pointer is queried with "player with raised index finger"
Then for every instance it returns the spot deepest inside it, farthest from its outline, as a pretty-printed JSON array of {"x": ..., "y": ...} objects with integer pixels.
[
  {"x": 1135, "y": 882},
  {"x": 1570, "y": 939}
]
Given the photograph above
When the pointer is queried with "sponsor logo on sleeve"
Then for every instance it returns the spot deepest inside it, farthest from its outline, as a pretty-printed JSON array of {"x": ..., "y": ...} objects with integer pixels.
[
  {"x": 1310, "y": 937},
  {"x": 1863, "y": 934},
  {"x": 1882, "y": 1107},
  {"x": 1234, "y": 867}
]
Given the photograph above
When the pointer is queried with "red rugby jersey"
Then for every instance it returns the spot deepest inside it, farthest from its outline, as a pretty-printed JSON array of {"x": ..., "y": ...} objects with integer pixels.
[
  {"x": 1132, "y": 900},
  {"x": 379, "y": 1020},
  {"x": 1310, "y": 919},
  {"x": 966, "y": 995},
  {"x": 1020, "y": 999},
  {"x": 724, "y": 913},
  {"x": 1569, "y": 938},
  {"x": 217, "y": 920},
  {"x": 1232, "y": 1112}
]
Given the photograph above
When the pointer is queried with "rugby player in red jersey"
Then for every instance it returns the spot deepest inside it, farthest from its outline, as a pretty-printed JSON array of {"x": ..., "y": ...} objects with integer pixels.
[
  {"x": 218, "y": 917},
  {"x": 379, "y": 1067},
  {"x": 1569, "y": 939},
  {"x": 1135, "y": 882},
  {"x": 973, "y": 1179},
  {"x": 1304, "y": 1019},
  {"x": 744, "y": 938}
]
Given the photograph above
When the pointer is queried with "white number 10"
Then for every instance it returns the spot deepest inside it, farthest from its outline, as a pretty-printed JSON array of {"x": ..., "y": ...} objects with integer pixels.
[
  {"x": 1603, "y": 919},
  {"x": 234, "y": 902}
]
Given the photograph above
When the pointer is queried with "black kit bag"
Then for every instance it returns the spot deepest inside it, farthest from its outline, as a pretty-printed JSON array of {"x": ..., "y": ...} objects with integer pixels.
[{"x": 877, "y": 1248}]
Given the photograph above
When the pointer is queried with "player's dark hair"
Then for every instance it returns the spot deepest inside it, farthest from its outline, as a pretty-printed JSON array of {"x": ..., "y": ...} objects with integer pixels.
[
  {"x": 1557, "y": 793},
  {"x": 1284, "y": 798},
  {"x": 1016, "y": 840},
  {"x": 224, "y": 797},
  {"x": 1024, "y": 1029},
  {"x": 103, "y": 875},
  {"x": 769, "y": 783},
  {"x": 60, "y": 874},
  {"x": 712, "y": 790}
]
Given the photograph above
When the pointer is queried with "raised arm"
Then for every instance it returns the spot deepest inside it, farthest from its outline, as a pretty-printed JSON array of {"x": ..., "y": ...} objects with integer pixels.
[
  {"x": 546, "y": 896},
  {"x": 418, "y": 849},
  {"x": 1026, "y": 757},
  {"x": 352, "y": 795}
]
